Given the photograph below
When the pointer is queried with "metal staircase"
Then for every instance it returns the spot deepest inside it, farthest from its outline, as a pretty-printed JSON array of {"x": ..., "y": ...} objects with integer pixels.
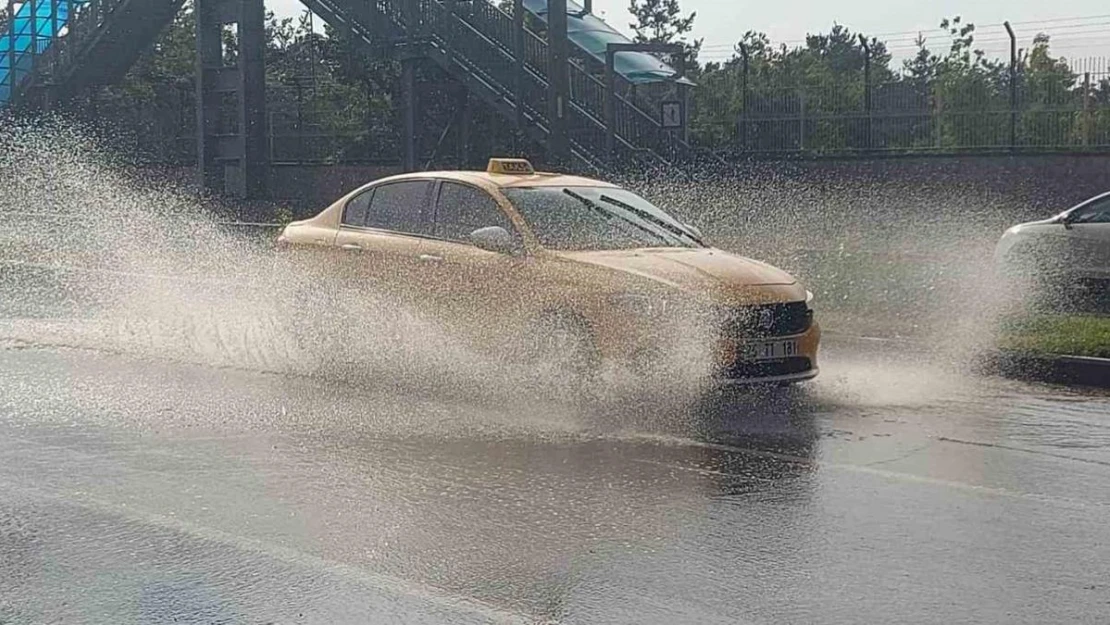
[
  {"x": 52, "y": 50},
  {"x": 478, "y": 45},
  {"x": 55, "y": 49}
]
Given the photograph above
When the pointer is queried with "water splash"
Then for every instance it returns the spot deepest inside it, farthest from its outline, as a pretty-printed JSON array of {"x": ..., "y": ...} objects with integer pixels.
[{"x": 97, "y": 257}]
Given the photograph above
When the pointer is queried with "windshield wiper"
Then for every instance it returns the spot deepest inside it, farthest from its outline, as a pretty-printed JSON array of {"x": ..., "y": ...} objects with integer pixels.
[
  {"x": 643, "y": 214},
  {"x": 610, "y": 214}
]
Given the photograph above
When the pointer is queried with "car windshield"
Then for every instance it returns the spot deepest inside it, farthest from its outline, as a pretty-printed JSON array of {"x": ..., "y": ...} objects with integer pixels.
[{"x": 596, "y": 218}]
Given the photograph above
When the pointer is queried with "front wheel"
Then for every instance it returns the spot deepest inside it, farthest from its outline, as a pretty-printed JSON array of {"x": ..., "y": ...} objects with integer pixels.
[{"x": 562, "y": 352}]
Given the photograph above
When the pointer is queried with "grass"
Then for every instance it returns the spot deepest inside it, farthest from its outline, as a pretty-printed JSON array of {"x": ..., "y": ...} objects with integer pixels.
[{"x": 1073, "y": 335}]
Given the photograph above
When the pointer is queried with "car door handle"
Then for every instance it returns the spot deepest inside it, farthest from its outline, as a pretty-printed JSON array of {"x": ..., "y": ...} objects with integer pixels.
[
  {"x": 351, "y": 247},
  {"x": 430, "y": 258}
]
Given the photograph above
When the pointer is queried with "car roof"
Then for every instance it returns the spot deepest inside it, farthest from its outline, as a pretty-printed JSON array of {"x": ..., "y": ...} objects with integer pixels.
[{"x": 503, "y": 181}]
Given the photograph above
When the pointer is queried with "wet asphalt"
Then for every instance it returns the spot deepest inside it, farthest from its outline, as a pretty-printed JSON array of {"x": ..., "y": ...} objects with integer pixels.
[{"x": 891, "y": 490}]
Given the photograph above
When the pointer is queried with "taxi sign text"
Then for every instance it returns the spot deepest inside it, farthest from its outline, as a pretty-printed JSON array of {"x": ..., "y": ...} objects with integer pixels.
[{"x": 513, "y": 166}]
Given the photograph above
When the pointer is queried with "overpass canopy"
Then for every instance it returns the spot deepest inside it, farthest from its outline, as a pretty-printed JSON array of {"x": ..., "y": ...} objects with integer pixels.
[{"x": 593, "y": 35}]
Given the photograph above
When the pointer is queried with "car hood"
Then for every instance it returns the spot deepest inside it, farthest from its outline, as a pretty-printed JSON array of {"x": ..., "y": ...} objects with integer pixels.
[
  {"x": 693, "y": 269},
  {"x": 1033, "y": 225},
  {"x": 1024, "y": 231}
]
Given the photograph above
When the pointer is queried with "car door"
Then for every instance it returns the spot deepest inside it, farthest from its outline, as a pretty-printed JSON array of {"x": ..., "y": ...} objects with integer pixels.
[
  {"x": 382, "y": 232},
  {"x": 1088, "y": 234},
  {"x": 482, "y": 293}
]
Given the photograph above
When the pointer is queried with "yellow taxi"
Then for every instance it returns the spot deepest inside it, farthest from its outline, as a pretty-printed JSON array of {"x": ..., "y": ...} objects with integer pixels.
[{"x": 580, "y": 271}]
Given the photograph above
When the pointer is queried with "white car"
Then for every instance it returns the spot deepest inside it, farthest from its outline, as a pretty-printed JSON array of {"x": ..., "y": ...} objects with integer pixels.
[{"x": 1072, "y": 248}]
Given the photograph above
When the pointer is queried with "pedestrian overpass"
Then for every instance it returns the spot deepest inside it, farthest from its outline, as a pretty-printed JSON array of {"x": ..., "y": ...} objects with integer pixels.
[{"x": 579, "y": 96}]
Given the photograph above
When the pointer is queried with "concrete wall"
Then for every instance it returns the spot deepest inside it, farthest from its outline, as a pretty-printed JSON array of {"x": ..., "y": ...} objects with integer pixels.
[
  {"x": 1027, "y": 185},
  {"x": 1042, "y": 182},
  {"x": 318, "y": 186}
]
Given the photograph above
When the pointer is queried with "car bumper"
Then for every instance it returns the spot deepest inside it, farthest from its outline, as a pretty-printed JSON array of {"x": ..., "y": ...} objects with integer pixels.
[
  {"x": 726, "y": 383},
  {"x": 797, "y": 368},
  {"x": 770, "y": 373},
  {"x": 644, "y": 355}
]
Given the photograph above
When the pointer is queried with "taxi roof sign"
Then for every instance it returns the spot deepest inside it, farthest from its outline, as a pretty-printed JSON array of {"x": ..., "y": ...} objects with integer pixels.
[{"x": 510, "y": 167}]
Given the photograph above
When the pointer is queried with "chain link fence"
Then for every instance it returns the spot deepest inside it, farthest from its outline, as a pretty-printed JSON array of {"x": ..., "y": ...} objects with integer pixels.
[
  {"x": 325, "y": 122},
  {"x": 1057, "y": 112}
]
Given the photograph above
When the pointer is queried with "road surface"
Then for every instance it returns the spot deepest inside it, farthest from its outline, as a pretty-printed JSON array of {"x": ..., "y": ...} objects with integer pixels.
[{"x": 137, "y": 489}]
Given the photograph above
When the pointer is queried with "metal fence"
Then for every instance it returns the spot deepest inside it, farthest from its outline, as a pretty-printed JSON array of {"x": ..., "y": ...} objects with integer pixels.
[
  {"x": 1034, "y": 112},
  {"x": 317, "y": 123},
  {"x": 325, "y": 122}
]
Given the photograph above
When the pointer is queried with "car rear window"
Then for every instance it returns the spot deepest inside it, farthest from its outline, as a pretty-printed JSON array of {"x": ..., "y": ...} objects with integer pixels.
[
  {"x": 357, "y": 208},
  {"x": 402, "y": 207}
]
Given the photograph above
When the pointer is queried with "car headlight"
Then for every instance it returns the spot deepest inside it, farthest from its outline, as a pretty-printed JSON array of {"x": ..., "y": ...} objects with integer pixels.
[
  {"x": 640, "y": 305},
  {"x": 809, "y": 300}
]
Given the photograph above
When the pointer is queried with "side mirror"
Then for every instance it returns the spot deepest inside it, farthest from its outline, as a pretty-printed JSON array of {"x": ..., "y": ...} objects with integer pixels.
[{"x": 493, "y": 239}]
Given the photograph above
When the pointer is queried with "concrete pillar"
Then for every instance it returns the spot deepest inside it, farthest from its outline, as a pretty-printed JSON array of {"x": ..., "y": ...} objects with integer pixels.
[
  {"x": 558, "y": 81},
  {"x": 232, "y": 154}
]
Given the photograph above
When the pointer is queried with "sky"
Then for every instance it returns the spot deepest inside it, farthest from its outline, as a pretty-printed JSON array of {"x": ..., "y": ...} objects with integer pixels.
[{"x": 1079, "y": 28}]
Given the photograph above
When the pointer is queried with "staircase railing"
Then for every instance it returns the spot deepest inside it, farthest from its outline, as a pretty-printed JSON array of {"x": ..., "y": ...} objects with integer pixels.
[
  {"x": 477, "y": 39},
  {"x": 634, "y": 127}
]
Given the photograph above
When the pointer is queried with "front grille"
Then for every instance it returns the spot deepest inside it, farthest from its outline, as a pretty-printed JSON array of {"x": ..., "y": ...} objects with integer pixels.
[
  {"x": 742, "y": 370},
  {"x": 766, "y": 320}
]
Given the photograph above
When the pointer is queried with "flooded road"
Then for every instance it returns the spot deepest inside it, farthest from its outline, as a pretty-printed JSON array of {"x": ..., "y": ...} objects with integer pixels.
[
  {"x": 192, "y": 431},
  {"x": 137, "y": 490}
]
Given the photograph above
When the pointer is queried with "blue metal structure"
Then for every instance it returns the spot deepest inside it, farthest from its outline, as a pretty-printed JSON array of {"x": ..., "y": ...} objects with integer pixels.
[
  {"x": 52, "y": 50},
  {"x": 30, "y": 30}
]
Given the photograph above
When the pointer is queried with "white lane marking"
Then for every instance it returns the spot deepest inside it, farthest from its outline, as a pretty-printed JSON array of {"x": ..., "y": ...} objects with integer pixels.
[
  {"x": 1026, "y": 450},
  {"x": 287, "y": 555},
  {"x": 867, "y": 470}
]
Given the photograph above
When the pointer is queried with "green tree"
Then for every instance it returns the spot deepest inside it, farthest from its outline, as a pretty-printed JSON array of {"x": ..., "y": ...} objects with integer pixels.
[
  {"x": 971, "y": 92},
  {"x": 815, "y": 92},
  {"x": 1051, "y": 99},
  {"x": 661, "y": 21}
]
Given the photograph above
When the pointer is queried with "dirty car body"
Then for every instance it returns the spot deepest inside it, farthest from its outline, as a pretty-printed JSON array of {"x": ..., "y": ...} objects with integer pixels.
[{"x": 495, "y": 253}]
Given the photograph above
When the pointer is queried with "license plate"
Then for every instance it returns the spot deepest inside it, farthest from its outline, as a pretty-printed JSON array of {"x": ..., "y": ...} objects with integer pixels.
[{"x": 768, "y": 350}]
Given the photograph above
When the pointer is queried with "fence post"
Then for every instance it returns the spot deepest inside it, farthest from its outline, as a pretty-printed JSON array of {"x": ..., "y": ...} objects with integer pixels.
[
  {"x": 744, "y": 97},
  {"x": 1013, "y": 85},
  {"x": 938, "y": 113},
  {"x": 1088, "y": 121},
  {"x": 866, "y": 89},
  {"x": 300, "y": 123},
  {"x": 312, "y": 50},
  {"x": 802, "y": 119}
]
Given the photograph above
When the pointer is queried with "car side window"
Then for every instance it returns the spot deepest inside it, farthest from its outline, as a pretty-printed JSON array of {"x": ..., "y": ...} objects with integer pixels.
[
  {"x": 355, "y": 212},
  {"x": 1093, "y": 213},
  {"x": 401, "y": 207},
  {"x": 462, "y": 209}
]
